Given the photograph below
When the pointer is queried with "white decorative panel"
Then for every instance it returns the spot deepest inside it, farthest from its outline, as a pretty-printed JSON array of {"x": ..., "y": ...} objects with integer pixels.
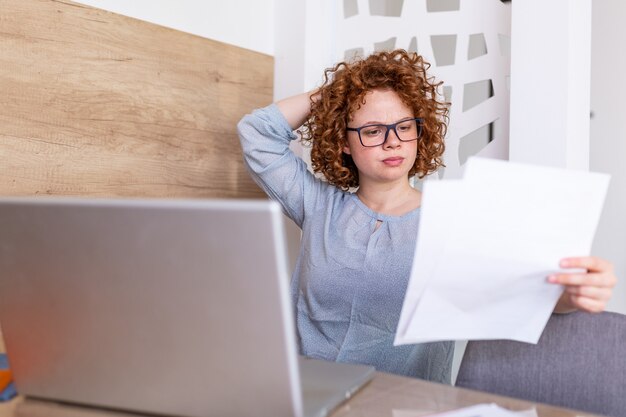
[{"x": 466, "y": 41}]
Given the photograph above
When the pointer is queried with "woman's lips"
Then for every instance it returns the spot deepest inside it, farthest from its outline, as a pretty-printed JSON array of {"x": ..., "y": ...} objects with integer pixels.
[{"x": 393, "y": 161}]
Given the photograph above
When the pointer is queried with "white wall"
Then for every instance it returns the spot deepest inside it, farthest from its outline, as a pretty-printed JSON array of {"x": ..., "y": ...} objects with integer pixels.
[
  {"x": 608, "y": 133},
  {"x": 552, "y": 79},
  {"x": 245, "y": 23}
]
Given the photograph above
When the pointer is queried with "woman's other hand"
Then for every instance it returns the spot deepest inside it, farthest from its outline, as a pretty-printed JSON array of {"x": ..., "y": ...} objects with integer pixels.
[{"x": 587, "y": 291}]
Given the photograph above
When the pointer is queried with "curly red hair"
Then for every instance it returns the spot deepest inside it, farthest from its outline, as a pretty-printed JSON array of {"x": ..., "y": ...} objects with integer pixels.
[{"x": 343, "y": 92}]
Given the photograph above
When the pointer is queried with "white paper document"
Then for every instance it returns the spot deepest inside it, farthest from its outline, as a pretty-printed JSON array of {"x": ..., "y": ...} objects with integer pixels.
[
  {"x": 486, "y": 245},
  {"x": 479, "y": 410}
]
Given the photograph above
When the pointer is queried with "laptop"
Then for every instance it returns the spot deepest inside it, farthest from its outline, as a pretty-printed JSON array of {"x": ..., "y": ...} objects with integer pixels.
[{"x": 170, "y": 307}]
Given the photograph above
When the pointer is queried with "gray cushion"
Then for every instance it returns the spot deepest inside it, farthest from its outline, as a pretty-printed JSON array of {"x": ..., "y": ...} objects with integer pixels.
[{"x": 579, "y": 363}]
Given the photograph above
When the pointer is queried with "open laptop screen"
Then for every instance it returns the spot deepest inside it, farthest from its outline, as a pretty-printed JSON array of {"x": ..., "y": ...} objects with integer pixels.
[{"x": 173, "y": 307}]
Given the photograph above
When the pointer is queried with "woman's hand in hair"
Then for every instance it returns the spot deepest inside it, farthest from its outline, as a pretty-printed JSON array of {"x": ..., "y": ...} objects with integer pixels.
[{"x": 297, "y": 109}]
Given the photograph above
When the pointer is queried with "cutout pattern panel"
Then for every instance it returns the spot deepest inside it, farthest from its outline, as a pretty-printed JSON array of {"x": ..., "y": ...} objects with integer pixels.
[{"x": 468, "y": 45}]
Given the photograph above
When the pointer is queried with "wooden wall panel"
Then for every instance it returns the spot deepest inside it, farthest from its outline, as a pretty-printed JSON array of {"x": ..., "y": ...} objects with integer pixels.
[{"x": 94, "y": 103}]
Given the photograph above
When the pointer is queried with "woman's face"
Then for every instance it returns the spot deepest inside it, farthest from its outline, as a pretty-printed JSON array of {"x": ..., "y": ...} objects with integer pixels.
[{"x": 391, "y": 161}]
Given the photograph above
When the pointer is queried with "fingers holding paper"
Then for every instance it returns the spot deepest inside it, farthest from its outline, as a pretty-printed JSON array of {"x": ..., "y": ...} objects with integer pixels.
[{"x": 587, "y": 291}]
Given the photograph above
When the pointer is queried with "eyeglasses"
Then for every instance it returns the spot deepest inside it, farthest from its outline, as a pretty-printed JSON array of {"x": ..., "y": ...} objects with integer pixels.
[{"x": 376, "y": 134}]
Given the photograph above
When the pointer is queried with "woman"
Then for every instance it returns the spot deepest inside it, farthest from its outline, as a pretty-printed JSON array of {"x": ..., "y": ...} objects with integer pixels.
[{"x": 372, "y": 125}]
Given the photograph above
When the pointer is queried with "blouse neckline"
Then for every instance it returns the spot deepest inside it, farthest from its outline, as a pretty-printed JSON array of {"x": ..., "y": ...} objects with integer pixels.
[{"x": 381, "y": 216}]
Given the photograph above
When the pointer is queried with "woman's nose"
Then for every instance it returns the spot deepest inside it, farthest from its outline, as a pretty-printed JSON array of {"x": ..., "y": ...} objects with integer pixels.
[{"x": 391, "y": 139}]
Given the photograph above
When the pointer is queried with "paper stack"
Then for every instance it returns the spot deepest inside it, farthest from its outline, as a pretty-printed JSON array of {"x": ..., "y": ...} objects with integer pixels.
[{"x": 486, "y": 245}]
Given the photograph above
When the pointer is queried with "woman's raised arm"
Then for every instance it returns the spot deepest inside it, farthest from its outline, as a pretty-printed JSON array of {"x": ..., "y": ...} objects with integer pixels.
[{"x": 296, "y": 109}]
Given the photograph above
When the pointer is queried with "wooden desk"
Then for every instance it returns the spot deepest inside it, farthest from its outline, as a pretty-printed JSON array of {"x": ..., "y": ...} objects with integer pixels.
[{"x": 385, "y": 396}]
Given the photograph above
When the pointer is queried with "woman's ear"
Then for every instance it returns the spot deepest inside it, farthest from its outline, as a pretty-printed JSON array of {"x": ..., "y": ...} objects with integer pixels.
[{"x": 346, "y": 148}]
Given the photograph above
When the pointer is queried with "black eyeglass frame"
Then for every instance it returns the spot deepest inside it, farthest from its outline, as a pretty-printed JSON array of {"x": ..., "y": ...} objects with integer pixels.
[{"x": 419, "y": 122}]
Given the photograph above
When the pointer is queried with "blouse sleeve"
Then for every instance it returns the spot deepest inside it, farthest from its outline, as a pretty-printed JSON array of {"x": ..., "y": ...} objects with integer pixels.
[{"x": 265, "y": 136}]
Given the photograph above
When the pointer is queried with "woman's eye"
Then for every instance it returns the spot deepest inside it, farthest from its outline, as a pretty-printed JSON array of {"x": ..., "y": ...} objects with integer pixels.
[
  {"x": 405, "y": 126},
  {"x": 372, "y": 132}
]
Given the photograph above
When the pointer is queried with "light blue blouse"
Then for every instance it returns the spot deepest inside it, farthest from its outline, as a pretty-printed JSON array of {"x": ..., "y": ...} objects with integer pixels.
[{"x": 350, "y": 277}]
